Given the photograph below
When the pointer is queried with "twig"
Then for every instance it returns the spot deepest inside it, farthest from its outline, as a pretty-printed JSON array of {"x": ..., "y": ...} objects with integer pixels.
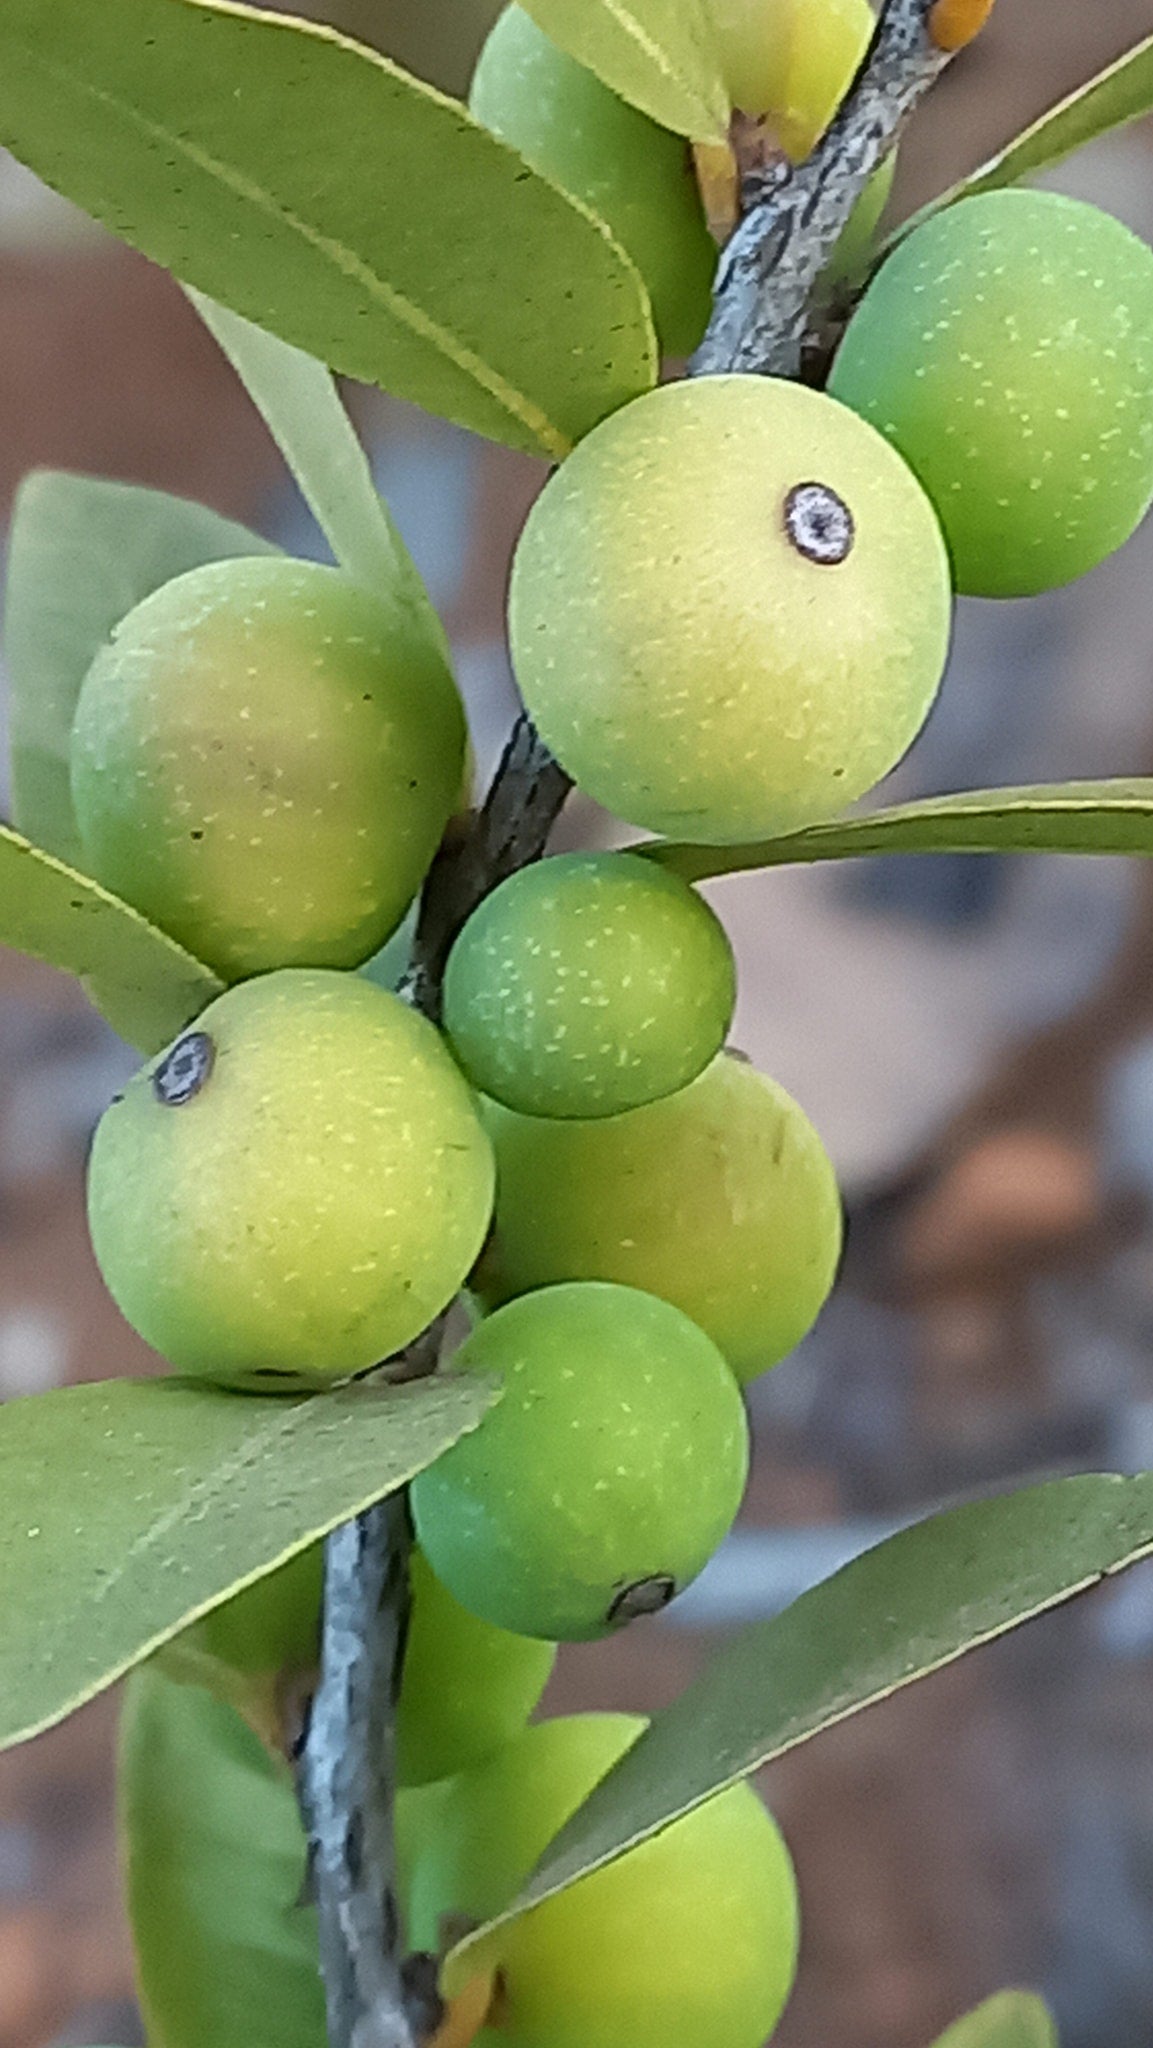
[
  {"x": 794, "y": 216},
  {"x": 347, "y": 1763}
]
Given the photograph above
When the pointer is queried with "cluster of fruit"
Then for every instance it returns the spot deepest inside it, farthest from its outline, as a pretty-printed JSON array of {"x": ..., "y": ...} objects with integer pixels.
[{"x": 729, "y": 615}]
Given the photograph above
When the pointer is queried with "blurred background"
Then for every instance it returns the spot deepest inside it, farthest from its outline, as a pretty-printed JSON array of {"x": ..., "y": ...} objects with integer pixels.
[{"x": 973, "y": 1037}]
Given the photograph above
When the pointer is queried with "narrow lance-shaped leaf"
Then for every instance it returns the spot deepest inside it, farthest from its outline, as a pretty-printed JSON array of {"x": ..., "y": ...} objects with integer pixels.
[
  {"x": 1064, "y": 817},
  {"x": 147, "y": 986},
  {"x": 315, "y": 187},
  {"x": 904, "y": 1609},
  {"x": 660, "y": 54},
  {"x": 129, "y": 1508},
  {"x": 1011, "y": 2019},
  {"x": 301, "y": 406},
  {"x": 81, "y": 553},
  {"x": 1119, "y": 94}
]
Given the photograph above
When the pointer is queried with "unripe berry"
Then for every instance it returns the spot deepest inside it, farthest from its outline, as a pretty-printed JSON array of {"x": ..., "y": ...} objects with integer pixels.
[
  {"x": 632, "y": 173},
  {"x": 295, "y": 1189},
  {"x": 720, "y": 1199},
  {"x": 467, "y": 1687},
  {"x": 1006, "y": 349},
  {"x": 603, "y": 1479},
  {"x": 730, "y": 609},
  {"x": 688, "y": 1941},
  {"x": 791, "y": 61},
  {"x": 264, "y": 758},
  {"x": 588, "y": 984}
]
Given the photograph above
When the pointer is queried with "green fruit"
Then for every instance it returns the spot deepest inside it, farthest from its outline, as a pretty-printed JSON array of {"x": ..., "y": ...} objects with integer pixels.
[
  {"x": 791, "y": 61},
  {"x": 720, "y": 1199},
  {"x": 730, "y": 609},
  {"x": 467, "y": 1688},
  {"x": 214, "y": 1856},
  {"x": 603, "y": 1480},
  {"x": 295, "y": 1189},
  {"x": 1006, "y": 349},
  {"x": 854, "y": 249},
  {"x": 635, "y": 175},
  {"x": 588, "y": 984},
  {"x": 264, "y": 758},
  {"x": 688, "y": 1941},
  {"x": 272, "y": 1626}
]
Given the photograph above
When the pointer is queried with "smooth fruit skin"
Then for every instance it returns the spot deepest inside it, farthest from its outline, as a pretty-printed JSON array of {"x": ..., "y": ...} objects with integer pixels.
[
  {"x": 791, "y": 61},
  {"x": 720, "y": 1199},
  {"x": 467, "y": 1687},
  {"x": 588, "y": 984},
  {"x": 307, "y": 1199},
  {"x": 615, "y": 1461},
  {"x": 688, "y": 1941},
  {"x": 1006, "y": 349},
  {"x": 689, "y": 665},
  {"x": 632, "y": 173},
  {"x": 264, "y": 759}
]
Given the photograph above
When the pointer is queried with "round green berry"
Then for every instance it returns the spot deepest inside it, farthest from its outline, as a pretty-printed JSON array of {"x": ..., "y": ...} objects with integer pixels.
[
  {"x": 730, "y": 609},
  {"x": 295, "y": 1189},
  {"x": 264, "y": 758},
  {"x": 604, "y": 1478},
  {"x": 588, "y": 984},
  {"x": 721, "y": 1199},
  {"x": 1006, "y": 349},
  {"x": 467, "y": 1687}
]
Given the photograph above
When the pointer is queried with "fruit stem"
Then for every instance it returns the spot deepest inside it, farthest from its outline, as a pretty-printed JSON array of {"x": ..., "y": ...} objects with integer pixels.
[
  {"x": 794, "y": 215},
  {"x": 346, "y": 1766}
]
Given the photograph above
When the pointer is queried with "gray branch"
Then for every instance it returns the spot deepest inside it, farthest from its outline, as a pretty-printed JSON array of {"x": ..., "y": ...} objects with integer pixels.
[
  {"x": 793, "y": 217},
  {"x": 346, "y": 1771}
]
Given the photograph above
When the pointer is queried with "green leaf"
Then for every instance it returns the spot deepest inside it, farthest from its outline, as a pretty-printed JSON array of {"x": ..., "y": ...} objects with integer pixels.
[
  {"x": 1118, "y": 95},
  {"x": 147, "y": 986},
  {"x": 299, "y": 402},
  {"x": 214, "y": 1856},
  {"x": 313, "y": 186},
  {"x": 81, "y": 553},
  {"x": 660, "y": 54},
  {"x": 1013, "y": 2019},
  {"x": 1060, "y": 817},
  {"x": 130, "y": 1508},
  {"x": 914, "y": 1603}
]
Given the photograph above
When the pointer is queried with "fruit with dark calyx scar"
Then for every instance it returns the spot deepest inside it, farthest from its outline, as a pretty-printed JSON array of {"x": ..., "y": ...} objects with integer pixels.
[
  {"x": 730, "y": 609},
  {"x": 295, "y": 1189},
  {"x": 604, "y": 1478},
  {"x": 635, "y": 175},
  {"x": 721, "y": 1199},
  {"x": 264, "y": 758},
  {"x": 687, "y": 1941},
  {"x": 588, "y": 984},
  {"x": 1006, "y": 350}
]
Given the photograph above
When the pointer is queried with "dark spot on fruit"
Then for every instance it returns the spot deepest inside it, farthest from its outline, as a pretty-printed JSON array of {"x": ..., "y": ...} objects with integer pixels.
[
  {"x": 198, "y": 834},
  {"x": 183, "y": 1072},
  {"x": 819, "y": 524},
  {"x": 647, "y": 1596}
]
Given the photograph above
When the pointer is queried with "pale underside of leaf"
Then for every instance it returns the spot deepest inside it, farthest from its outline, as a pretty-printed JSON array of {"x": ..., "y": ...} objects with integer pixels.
[
  {"x": 905, "y": 1609},
  {"x": 1072, "y": 817},
  {"x": 130, "y": 1508}
]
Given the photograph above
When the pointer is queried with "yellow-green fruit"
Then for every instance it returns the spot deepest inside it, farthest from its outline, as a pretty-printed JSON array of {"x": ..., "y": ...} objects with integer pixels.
[
  {"x": 587, "y": 984},
  {"x": 603, "y": 1480},
  {"x": 295, "y": 1189},
  {"x": 635, "y": 175},
  {"x": 730, "y": 609},
  {"x": 1006, "y": 349},
  {"x": 272, "y": 1626},
  {"x": 264, "y": 758},
  {"x": 688, "y": 1941},
  {"x": 791, "y": 61},
  {"x": 720, "y": 1199},
  {"x": 467, "y": 1687}
]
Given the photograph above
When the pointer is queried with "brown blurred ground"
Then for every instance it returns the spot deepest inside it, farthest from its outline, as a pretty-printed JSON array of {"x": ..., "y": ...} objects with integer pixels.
[{"x": 928, "y": 1832}]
